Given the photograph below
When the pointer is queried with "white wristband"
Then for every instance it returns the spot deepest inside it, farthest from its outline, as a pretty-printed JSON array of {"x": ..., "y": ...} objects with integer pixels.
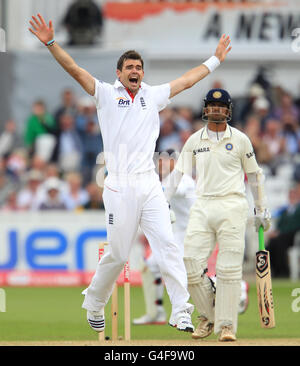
[{"x": 212, "y": 63}]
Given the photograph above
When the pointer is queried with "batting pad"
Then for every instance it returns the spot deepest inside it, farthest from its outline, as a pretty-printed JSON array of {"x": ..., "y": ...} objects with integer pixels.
[
  {"x": 227, "y": 301},
  {"x": 200, "y": 288}
]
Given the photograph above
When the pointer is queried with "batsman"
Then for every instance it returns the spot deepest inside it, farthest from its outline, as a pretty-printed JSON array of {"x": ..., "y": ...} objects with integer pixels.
[{"x": 220, "y": 155}]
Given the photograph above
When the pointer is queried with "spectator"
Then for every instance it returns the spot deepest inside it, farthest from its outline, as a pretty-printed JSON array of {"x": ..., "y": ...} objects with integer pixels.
[
  {"x": 92, "y": 145},
  {"x": 169, "y": 137},
  {"x": 262, "y": 79},
  {"x": 39, "y": 130},
  {"x": 95, "y": 201},
  {"x": 68, "y": 105},
  {"x": 255, "y": 91},
  {"x": 261, "y": 108},
  {"x": 37, "y": 163},
  {"x": 86, "y": 112},
  {"x": 274, "y": 144},
  {"x": 51, "y": 171},
  {"x": 291, "y": 133},
  {"x": 184, "y": 118},
  {"x": 279, "y": 240},
  {"x": 16, "y": 164},
  {"x": 217, "y": 84},
  {"x": 11, "y": 203},
  {"x": 69, "y": 145},
  {"x": 53, "y": 199},
  {"x": 6, "y": 182},
  {"x": 277, "y": 93},
  {"x": 28, "y": 195},
  {"x": 286, "y": 107},
  {"x": 273, "y": 138},
  {"x": 9, "y": 139},
  {"x": 75, "y": 196}
]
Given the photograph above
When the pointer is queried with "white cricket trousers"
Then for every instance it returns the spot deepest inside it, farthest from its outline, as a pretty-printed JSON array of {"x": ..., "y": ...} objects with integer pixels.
[
  {"x": 130, "y": 202},
  {"x": 219, "y": 220}
]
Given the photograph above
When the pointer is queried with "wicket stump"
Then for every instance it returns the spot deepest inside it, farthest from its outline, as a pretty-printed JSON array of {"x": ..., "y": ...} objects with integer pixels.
[{"x": 114, "y": 302}]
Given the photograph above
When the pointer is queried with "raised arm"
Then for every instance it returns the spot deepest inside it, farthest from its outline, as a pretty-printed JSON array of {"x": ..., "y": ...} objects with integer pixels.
[
  {"x": 45, "y": 33},
  {"x": 198, "y": 73}
]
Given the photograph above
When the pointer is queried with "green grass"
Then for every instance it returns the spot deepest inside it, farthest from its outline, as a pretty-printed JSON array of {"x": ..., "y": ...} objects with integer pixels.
[{"x": 48, "y": 314}]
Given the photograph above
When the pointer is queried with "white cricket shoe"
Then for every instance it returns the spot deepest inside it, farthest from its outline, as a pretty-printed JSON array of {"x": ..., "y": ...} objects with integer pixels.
[
  {"x": 146, "y": 319},
  {"x": 204, "y": 328},
  {"x": 96, "y": 320},
  {"x": 182, "y": 320},
  {"x": 226, "y": 334},
  {"x": 172, "y": 321}
]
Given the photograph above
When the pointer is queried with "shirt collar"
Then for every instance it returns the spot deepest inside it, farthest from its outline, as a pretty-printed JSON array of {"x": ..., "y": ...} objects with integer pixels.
[
  {"x": 227, "y": 134},
  {"x": 118, "y": 84}
]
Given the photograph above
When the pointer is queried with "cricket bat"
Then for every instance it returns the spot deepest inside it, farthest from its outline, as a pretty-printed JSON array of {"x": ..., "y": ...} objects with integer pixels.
[{"x": 264, "y": 284}]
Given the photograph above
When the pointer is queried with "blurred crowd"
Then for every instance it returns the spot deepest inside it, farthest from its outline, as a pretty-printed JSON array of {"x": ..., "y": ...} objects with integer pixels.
[
  {"x": 269, "y": 115},
  {"x": 52, "y": 163}
]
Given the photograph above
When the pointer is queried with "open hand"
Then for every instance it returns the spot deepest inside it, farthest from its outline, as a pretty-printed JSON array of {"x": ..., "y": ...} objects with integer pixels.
[
  {"x": 223, "y": 47},
  {"x": 41, "y": 30}
]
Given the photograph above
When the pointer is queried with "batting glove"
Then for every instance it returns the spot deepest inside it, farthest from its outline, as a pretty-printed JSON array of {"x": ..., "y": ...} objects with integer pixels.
[{"x": 262, "y": 217}]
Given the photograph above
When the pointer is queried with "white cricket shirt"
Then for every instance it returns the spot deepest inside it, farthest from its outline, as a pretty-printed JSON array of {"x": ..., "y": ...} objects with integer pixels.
[
  {"x": 220, "y": 166},
  {"x": 129, "y": 126}
]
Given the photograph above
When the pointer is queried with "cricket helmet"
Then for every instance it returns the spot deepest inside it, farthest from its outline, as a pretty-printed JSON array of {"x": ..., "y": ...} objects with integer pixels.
[{"x": 221, "y": 96}]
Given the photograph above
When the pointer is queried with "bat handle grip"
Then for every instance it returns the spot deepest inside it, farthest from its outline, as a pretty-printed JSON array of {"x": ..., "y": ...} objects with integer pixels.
[{"x": 261, "y": 241}]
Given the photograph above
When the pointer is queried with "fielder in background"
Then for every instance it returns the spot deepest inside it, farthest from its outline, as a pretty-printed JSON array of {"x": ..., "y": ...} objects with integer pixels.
[
  {"x": 180, "y": 203},
  {"x": 220, "y": 155},
  {"x": 128, "y": 113}
]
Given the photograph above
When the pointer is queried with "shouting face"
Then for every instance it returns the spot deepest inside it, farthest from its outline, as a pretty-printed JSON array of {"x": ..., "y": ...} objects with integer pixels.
[{"x": 131, "y": 75}]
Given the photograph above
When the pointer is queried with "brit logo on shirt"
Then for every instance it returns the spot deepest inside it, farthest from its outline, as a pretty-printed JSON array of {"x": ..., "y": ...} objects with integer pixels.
[
  {"x": 123, "y": 102},
  {"x": 143, "y": 104}
]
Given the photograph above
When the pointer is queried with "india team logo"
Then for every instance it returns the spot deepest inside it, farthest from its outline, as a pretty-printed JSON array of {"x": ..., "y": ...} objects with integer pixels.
[
  {"x": 123, "y": 102},
  {"x": 217, "y": 95},
  {"x": 229, "y": 147}
]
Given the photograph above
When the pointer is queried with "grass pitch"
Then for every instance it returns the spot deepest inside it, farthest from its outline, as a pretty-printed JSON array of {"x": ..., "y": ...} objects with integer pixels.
[{"x": 55, "y": 314}]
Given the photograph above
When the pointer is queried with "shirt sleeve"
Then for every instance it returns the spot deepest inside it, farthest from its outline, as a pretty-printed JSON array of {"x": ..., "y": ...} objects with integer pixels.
[
  {"x": 161, "y": 94},
  {"x": 186, "y": 160},
  {"x": 249, "y": 162},
  {"x": 101, "y": 89}
]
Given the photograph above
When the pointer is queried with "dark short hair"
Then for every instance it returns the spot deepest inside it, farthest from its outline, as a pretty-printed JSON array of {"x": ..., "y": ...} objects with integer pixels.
[{"x": 129, "y": 55}]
